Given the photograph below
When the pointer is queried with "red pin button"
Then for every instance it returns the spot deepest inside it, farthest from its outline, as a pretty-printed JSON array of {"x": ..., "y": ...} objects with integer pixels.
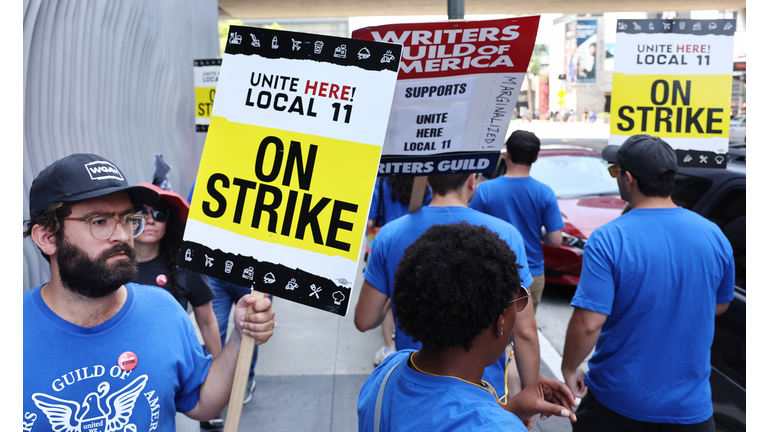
[
  {"x": 161, "y": 279},
  {"x": 127, "y": 361}
]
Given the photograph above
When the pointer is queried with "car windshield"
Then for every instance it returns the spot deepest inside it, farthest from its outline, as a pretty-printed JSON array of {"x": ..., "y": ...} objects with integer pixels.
[
  {"x": 575, "y": 176},
  {"x": 737, "y": 121}
]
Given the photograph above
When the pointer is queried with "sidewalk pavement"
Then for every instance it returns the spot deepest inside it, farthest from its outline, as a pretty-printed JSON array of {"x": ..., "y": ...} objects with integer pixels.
[{"x": 309, "y": 374}]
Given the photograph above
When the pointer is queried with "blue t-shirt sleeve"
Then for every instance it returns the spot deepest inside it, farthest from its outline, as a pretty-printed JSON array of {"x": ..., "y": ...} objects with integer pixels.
[
  {"x": 192, "y": 370},
  {"x": 596, "y": 287},
  {"x": 376, "y": 271},
  {"x": 553, "y": 220},
  {"x": 725, "y": 289}
]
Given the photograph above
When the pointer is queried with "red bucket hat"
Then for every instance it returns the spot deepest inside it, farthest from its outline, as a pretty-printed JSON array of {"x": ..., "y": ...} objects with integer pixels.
[{"x": 177, "y": 201}]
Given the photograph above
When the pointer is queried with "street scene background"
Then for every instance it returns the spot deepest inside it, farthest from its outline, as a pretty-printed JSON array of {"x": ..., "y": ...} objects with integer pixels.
[{"x": 310, "y": 372}]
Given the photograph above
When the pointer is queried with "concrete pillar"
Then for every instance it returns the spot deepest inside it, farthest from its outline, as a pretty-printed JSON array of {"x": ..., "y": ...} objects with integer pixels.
[{"x": 114, "y": 79}]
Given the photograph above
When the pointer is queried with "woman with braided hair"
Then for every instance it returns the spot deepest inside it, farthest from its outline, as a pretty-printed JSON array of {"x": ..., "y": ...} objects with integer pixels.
[{"x": 157, "y": 249}]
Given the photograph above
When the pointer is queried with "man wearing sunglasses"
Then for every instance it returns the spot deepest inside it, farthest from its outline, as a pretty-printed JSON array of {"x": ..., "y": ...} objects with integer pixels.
[
  {"x": 652, "y": 282},
  {"x": 101, "y": 353},
  {"x": 451, "y": 195}
]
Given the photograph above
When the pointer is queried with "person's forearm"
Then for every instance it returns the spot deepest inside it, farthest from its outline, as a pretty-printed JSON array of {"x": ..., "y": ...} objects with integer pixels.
[
  {"x": 526, "y": 339},
  {"x": 254, "y": 318},
  {"x": 215, "y": 391},
  {"x": 553, "y": 239},
  {"x": 371, "y": 309},
  {"x": 209, "y": 328},
  {"x": 211, "y": 337},
  {"x": 721, "y": 308},
  {"x": 579, "y": 341}
]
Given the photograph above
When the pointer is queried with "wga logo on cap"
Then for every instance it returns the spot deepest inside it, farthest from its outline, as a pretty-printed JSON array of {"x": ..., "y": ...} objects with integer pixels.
[{"x": 102, "y": 170}]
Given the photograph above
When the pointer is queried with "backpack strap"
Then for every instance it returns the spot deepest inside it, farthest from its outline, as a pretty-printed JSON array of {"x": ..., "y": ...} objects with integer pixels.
[{"x": 379, "y": 397}]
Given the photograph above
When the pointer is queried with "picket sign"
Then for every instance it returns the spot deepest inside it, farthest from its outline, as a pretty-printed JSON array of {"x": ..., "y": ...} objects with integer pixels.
[
  {"x": 417, "y": 193},
  {"x": 457, "y": 87},
  {"x": 288, "y": 169},
  {"x": 672, "y": 79}
]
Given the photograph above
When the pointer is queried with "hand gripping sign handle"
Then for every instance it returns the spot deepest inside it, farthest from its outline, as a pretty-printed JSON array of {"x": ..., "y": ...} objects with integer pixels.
[{"x": 235, "y": 408}]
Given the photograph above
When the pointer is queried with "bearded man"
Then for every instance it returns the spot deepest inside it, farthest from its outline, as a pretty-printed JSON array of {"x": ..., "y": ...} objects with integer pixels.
[{"x": 101, "y": 353}]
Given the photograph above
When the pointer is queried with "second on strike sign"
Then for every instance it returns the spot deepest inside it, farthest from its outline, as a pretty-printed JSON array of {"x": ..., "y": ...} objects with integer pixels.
[
  {"x": 457, "y": 87},
  {"x": 287, "y": 172},
  {"x": 672, "y": 79},
  {"x": 206, "y": 72}
]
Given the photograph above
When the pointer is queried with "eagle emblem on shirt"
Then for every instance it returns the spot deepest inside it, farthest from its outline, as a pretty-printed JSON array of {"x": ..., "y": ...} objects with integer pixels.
[{"x": 98, "y": 412}]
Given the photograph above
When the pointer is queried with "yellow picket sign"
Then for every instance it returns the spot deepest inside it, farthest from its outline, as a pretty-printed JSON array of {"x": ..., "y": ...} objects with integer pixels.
[
  {"x": 298, "y": 190},
  {"x": 204, "y": 101},
  {"x": 671, "y": 106}
]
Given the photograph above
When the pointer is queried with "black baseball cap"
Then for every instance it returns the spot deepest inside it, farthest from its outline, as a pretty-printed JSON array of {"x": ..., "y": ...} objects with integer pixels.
[
  {"x": 80, "y": 177},
  {"x": 645, "y": 156},
  {"x": 523, "y": 136}
]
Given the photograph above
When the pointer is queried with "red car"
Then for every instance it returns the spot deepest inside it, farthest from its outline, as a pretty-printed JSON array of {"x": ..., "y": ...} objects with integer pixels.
[{"x": 588, "y": 198}]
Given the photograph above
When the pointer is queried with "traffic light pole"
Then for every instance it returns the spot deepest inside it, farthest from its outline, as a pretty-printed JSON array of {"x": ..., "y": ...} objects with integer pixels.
[{"x": 455, "y": 9}]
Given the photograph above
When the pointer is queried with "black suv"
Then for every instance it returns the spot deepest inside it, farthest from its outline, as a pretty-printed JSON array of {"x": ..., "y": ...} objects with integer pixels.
[{"x": 720, "y": 195}]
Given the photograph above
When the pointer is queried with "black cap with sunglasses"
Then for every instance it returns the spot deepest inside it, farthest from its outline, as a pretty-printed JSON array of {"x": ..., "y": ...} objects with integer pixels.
[{"x": 645, "y": 156}]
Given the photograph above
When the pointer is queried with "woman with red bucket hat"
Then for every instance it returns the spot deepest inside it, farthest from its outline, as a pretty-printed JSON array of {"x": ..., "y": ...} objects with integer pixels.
[{"x": 157, "y": 248}]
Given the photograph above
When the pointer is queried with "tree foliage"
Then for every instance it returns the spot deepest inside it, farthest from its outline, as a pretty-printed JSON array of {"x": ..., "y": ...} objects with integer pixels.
[{"x": 539, "y": 50}]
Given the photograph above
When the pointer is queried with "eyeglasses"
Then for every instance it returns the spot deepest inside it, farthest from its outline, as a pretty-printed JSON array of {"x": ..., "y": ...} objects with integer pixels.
[
  {"x": 614, "y": 170},
  {"x": 523, "y": 300},
  {"x": 157, "y": 215},
  {"x": 102, "y": 226}
]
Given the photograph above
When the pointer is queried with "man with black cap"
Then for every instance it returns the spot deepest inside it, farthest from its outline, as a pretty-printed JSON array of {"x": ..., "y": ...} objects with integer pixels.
[
  {"x": 652, "y": 282},
  {"x": 526, "y": 203},
  {"x": 99, "y": 352}
]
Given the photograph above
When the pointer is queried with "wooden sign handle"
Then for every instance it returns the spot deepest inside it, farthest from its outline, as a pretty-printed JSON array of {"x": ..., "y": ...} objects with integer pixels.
[
  {"x": 242, "y": 370},
  {"x": 417, "y": 193}
]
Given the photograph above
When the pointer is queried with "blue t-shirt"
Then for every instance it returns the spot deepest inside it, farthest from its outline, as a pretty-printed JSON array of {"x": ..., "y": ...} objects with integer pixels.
[
  {"x": 397, "y": 235},
  {"x": 383, "y": 206},
  {"x": 657, "y": 274},
  {"x": 527, "y": 204},
  {"x": 414, "y": 401},
  {"x": 72, "y": 377}
]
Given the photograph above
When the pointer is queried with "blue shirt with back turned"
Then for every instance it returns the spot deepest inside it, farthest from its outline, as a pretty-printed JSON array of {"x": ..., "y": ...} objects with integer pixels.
[
  {"x": 658, "y": 275},
  {"x": 527, "y": 204}
]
